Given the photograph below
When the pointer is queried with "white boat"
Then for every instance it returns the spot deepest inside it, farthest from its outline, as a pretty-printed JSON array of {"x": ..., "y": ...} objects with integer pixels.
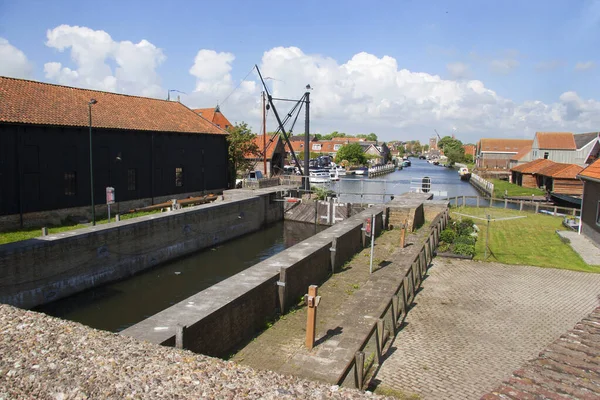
[
  {"x": 464, "y": 174},
  {"x": 319, "y": 176},
  {"x": 337, "y": 171}
]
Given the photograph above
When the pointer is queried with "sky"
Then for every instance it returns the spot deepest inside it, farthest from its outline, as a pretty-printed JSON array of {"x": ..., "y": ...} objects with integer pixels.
[{"x": 401, "y": 69}]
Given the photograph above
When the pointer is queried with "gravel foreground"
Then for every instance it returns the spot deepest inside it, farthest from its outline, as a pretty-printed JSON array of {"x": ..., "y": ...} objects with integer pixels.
[{"x": 49, "y": 358}]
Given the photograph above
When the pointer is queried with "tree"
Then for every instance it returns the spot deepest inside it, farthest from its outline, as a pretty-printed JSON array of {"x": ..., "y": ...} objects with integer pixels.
[
  {"x": 353, "y": 153},
  {"x": 371, "y": 137},
  {"x": 241, "y": 144},
  {"x": 425, "y": 147},
  {"x": 417, "y": 148},
  {"x": 453, "y": 149}
]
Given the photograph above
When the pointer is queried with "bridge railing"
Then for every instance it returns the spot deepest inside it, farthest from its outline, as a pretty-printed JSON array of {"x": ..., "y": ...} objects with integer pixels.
[
  {"x": 521, "y": 205},
  {"x": 370, "y": 353},
  {"x": 482, "y": 184}
]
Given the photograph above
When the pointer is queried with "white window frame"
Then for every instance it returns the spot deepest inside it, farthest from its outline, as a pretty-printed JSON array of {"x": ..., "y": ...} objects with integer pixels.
[
  {"x": 336, "y": 147},
  {"x": 316, "y": 146}
]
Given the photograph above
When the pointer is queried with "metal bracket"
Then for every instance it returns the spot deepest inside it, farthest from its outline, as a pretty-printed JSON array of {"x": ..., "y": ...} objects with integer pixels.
[
  {"x": 279, "y": 283},
  {"x": 332, "y": 249}
]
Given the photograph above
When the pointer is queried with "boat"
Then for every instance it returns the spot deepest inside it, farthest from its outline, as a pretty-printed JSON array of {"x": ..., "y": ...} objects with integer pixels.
[
  {"x": 464, "y": 174},
  {"x": 360, "y": 170},
  {"x": 339, "y": 170},
  {"x": 406, "y": 163},
  {"x": 319, "y": 176},
  {"x": 563, "y": 200},
  {"x": 334, "y": 174}
]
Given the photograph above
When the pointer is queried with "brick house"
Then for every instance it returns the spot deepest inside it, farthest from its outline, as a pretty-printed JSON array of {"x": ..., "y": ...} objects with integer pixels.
[
  {"x": 215, "y": 116},
  {"x": 275, "y": 155}
]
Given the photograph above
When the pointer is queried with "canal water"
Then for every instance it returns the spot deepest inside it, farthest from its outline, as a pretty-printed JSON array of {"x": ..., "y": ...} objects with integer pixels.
[
  {"x": 116, "y": 306},
  {"x": 445, "y": 182}
]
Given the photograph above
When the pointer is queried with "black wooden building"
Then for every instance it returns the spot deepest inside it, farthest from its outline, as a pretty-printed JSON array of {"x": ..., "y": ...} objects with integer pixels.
[{"x": 144, "y": 148}]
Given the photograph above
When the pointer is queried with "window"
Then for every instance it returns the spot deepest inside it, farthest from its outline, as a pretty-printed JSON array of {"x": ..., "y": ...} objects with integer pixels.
[
  {"x": 178, "y": 176},
  {"x": 316, "y": 146},
  {"x": 546, "y": 155},
  {"x": 598, "y": 214},
  {"x": 70, "y": 183},
  {"x": 336, "y": 147},
  {"x": 131, "y": 179}
]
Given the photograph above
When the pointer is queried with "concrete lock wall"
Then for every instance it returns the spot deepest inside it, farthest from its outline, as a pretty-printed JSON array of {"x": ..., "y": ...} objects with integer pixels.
[
  {"x": 37, "y": 271},
  {"x": 222, "y": 317}
]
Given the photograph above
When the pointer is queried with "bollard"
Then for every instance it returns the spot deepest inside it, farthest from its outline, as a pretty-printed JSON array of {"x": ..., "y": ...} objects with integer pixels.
[
  {"x": 179, "y": 330},
  {"x": 118, "y": 217},
  {"x": 359, "y": 369},
  {"x": 44, "y": 231},
  {"x": 281, "y": 290},
  {"x": 312, "y": 301}
]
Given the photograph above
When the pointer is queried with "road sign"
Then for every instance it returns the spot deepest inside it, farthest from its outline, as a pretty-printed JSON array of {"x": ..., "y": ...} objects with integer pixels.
[{"x": 110, "y": 195}]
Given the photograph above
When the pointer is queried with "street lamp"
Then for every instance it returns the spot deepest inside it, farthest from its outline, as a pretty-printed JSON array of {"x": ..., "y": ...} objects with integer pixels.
[{"x": 92, "y": 102}]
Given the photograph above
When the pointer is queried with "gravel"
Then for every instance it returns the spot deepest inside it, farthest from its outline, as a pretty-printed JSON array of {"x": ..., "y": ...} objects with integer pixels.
[{"x": 49, "y": 358}]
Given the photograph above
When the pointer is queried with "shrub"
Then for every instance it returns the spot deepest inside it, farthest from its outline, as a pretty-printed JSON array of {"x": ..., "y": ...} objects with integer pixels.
[
  {"x": 447, "y": 236},
  {"x": 443, "y": 247},
  {"x": 470, "y": 240},
  {"x": 464, "y": 249},
  {"x": 465, "y": 227}
]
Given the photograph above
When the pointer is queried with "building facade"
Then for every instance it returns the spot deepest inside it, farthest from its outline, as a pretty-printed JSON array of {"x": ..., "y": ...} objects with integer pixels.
[
  {"x": 144, "y": 148},
  {"x": 590, "y": 205}
]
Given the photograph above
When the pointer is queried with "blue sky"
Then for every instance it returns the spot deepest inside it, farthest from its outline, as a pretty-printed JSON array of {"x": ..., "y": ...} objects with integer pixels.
[{"x": 520, "y": 51}]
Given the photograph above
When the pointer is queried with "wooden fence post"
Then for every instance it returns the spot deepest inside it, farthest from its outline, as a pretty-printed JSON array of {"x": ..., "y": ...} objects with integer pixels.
[
  {"x": 537, "y": 208},
  {"x": 359, "y": 369}
]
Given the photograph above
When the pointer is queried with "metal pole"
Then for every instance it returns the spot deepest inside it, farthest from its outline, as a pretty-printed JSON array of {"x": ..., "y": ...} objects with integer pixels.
[
  {"x": 372, "y": 243},
  {"x": 91, "y": 168},
  {"x": 487, "y": 238},
  {"x": 306, "y": 141},
  {"x": 108, "y": 213},
  {"x": 264, "y": 122}
]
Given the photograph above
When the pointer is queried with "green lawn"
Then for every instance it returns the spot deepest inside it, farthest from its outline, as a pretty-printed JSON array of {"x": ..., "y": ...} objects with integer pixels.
[
  {"x": 513, "y": 190},
  {"x": 30, "y": 233},
  {"x": 525, "y": 241}
]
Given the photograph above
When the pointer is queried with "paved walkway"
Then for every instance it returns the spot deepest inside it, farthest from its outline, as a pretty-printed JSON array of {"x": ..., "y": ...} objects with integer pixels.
[
  {"x": 474, "y": 323},
  {"x": 583, "y": 246},
  {"x": 568, "y": 368}
]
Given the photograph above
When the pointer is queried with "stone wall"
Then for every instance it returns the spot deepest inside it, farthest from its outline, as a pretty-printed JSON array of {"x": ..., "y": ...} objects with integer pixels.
[
  {"x": 56, "y": 217},
  {"x": 222, "y": 317},
  {"x": 37, "y": 271}
]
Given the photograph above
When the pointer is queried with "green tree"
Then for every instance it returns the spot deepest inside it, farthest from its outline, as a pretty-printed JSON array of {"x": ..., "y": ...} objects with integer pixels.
[
  {"x": 453, "y": 149},
  {"x": 353, "y": 153},
  {"x": 417, "y": 148},
  {"x": 425, "y": 147},
  {"x": 241, "y": 144}
]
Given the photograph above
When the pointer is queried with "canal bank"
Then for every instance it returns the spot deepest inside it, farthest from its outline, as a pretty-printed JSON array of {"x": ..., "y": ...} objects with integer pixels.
[
  {"x": 41, "y": 270},
  {"x": 118, "y": 305}
]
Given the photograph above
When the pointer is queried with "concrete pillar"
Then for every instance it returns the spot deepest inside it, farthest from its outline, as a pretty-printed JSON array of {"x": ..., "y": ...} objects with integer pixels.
[
  {"x": 44, "y": 231},
  {"x": 118, "y": 217},
  {"x": 179, "y": 332}
]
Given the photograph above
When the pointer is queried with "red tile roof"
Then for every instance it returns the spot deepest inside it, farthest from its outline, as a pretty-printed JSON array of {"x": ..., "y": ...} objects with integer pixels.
[
  {"x": 560, "y": 170},
  {"x": 522, "y": 153},
  {"x": 215, "y": 116},
  {"x": 258, "y": 140},
  {"x": 30, "y": 102},
  {"x": 556, "y": 140},
  {"x": 533, "y": 167},
  {"x": 504, "y": 145},
  {"x": 592, "y": 171}
]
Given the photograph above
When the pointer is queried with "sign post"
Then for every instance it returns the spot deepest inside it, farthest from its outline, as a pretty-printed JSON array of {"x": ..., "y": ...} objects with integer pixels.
[
  {"x": 110, "y": 199},
  {"x": 370, "y": 231}
]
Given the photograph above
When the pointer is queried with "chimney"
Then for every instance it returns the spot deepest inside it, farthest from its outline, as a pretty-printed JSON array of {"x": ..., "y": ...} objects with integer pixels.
[{"x": 178, "y": 99}]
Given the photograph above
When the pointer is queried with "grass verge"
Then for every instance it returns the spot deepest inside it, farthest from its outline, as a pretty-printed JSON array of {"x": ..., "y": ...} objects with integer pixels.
[
  {"x": 524, "y": 241},
  {"x": 513, "y": 190},
  {"x": 31, "y": 233}
]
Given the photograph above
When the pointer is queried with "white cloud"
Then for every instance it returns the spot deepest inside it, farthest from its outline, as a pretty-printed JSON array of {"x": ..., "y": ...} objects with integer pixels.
[
  {"x": 458, "y": 70},
  {"x": 585, "y": 66},
  {"x": 14, "y": 62},
  {"x": 373, "y": 94},
  {"x": 92, "y": 53},
  {"x": 504, "y": 66},
  {"x": 214, "y": 84}
]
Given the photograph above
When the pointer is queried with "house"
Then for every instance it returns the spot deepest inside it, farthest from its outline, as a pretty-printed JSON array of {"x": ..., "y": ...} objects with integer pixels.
[
  {"x": 524, "y": 174},
  {"x": 497, "y": 153},
  {"x": 275, "y": 155},
  {"x": 560, "y": 178},
  {"x": 519, "y": 158},
  {"x": 590, "y": 205},
  {"x": 563, "y": 147},
  {"x": 146, "y": 149},
  {"x": 215, "y": 116},
  {"x": 470, "y": 149}
]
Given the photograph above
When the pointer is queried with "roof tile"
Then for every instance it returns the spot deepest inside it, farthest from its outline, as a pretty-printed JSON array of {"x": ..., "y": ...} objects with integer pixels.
[
  {"x": 504, "y": 145},
  {"x": 592, "y": 171},
  {"x": 533, "y": 167},
  {"x": 556, "y": 140},
  {"x": 30, "y": 102},
  {"x": 215, "y": 116}
]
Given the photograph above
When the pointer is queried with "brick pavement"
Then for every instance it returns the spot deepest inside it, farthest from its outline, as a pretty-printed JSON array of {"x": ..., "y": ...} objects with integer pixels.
[{"x": 474, "y": 323}]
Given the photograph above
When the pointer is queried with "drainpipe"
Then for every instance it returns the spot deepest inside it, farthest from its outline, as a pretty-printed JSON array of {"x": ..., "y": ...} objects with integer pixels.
[
  {"x": 581, "y": 211},
  {"x": 20, "y": 174}
]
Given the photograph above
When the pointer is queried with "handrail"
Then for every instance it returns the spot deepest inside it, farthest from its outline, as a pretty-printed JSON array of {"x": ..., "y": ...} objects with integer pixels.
[{"x": 522, "y": 203}]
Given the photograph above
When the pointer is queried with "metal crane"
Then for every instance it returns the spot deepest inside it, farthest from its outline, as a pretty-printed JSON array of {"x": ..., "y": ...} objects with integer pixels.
[{"x": 436, "y": 132}]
